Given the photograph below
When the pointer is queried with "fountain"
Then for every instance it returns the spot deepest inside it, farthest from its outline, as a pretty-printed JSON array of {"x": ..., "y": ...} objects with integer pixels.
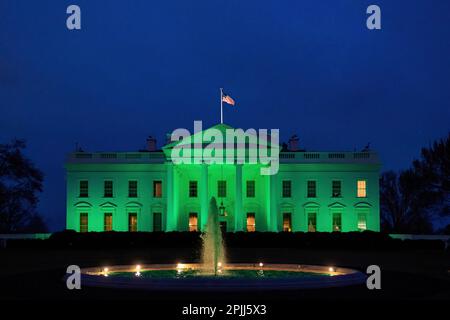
[
  {"x": 213, "y": 251},
  {"x": 215, "y": 274}
]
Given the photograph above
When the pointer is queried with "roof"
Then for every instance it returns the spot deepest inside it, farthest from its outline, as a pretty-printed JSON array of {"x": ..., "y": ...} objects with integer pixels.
[{"x": 218, "y": 137}]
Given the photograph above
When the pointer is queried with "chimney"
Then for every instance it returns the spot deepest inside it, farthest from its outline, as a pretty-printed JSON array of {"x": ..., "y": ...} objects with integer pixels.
[
  {"x": 151, "y": 144},
  {"x": 293, "y": 143}
]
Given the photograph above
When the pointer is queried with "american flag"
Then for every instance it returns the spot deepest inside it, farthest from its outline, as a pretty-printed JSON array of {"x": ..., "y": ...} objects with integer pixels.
[{"x": 226, "y": 98}]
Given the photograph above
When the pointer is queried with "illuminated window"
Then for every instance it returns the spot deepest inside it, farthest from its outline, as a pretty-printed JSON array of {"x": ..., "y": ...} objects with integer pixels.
[
  {"x": 362, "y": 189},
  {"x": 250, "y": 189},
  {"x": 193, "y": 222},
  {"x": 83, "y": 222},
  {"x": 157, "y": 189},
  {"x": 251, "y": 225},
  {"x": 193, "y": 189},
  {"x": 108, "y": 222},
  {"x": 287, "y": 188},
  {"x": 157, "y": 221},
  {"x": 84, "y": 189},
  {"x": 362, "y": 221},
  {"x": 221, "y": 188},
  {"x": 107, "y": 189},
  {"x": 132, "y": 189},
  {"x": 312, "y": 222},
  {"x": 336, "y": 188},
  {"x": 311, "y": 188},
  {"x": 287, "y": 223},
  {"x": 337, "y": 222},
  {"x": 132, "y": 222}
]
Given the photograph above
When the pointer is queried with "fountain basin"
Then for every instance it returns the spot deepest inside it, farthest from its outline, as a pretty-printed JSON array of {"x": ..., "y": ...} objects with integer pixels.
[{"x": 233, "y": 277}]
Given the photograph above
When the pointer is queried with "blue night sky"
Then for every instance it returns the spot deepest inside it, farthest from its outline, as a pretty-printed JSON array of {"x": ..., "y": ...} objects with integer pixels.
[{"x": 145, "y": 67}]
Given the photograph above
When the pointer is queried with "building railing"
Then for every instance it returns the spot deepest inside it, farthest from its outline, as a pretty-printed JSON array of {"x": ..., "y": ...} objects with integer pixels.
[
  {"x": 351, "y": 157},
  {"x": 285, "y": 157},
  {"x": 107, "y": 157}
]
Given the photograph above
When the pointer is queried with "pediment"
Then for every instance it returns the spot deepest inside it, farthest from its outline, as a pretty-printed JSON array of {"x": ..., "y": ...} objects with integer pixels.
[
  {"x": 246, "y": 142},
  {"x": 285, "y": 205},
  {"x": 133, "y": 204},
  {"x": 83, "y": 204},
  {"x": 311, "y": 204},
  {"x": 108, "y": 205},
  {"x": 337, "y": 205},
  {"x": 362, "y": 204}
]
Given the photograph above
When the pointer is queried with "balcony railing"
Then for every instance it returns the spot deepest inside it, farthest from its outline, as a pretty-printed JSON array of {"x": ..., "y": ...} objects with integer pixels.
[
  {"x": 116, "y": 157},
  {"x": 332, "y": 157},
  {"x": 285, "y": 157}
]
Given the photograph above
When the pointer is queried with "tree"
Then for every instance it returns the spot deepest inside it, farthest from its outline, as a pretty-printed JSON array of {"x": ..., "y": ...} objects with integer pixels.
[
  {"x": 20, "y": 181},
  {"x": 403, "y": 207},
  {"x": 412, "y": 197},
  {"x": 35, "y": 224},
  {"x": 433, "y": 168}
]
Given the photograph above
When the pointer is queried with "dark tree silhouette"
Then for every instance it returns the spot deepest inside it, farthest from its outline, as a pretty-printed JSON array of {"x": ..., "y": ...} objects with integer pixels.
[
  {"x": 412, "y": 197},
  {"x": 433, "y": 168},
  {"x": 403, "y": 210},
  {"x": 35, "y": 224},
  {"x": 20, "y": 181}
]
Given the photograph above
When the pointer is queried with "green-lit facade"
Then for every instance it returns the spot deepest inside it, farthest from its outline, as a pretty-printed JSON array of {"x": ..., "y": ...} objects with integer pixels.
[{"x": 146, "y": 191}]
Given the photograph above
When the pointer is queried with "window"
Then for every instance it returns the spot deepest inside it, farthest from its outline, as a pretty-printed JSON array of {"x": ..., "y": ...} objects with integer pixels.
[
  {"x": 336, "y": 188},
  {"x": 132, "y": 222},
  {"x": 337, "y": 222},
  {"x": 84, "y": 189},
  {"x": 192, "y": 189},
  {"x": 193, "y": 222},
  {"x": 311, "y": 186},
  {"x": 251, "y": 225},
  {"x": 312, "y": 222},
  {"x": 362, "y": 221},
  {"x": 287, "y": 223},
  {"x": 157, "y": 221},
  {"x": 108, "y": 222},
  {"x": 250, "y": 189},
  {"x": 221, "y": 189},
  {"x": 286, "y": 188},
  {"x": 83, "y": 222},
  {"x": 108, "y": 189},
  {"x": 362, "y": 189},
  {"x": 132, "y": 189},
  {"x": 157, "y": 189}
]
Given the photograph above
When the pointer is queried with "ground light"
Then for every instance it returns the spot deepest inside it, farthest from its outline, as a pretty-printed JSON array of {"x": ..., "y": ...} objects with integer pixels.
[
  {"x": 105, "y": 272},
  {"x": 138, "y": 271}
]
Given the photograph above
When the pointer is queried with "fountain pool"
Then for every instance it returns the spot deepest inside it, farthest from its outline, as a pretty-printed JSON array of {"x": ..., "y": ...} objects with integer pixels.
[
  {"x": 191, "y": 277},
  {"x": 214, "y": 273}
]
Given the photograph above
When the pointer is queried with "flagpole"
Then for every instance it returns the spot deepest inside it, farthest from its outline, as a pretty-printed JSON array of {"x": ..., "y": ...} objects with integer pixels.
[{"x": 221, "y": 105}]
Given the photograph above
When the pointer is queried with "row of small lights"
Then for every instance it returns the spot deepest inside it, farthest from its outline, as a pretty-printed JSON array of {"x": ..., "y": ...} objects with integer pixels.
[
  {"x": 181, "y": 266},
  {"x": 137, "y": 274}
]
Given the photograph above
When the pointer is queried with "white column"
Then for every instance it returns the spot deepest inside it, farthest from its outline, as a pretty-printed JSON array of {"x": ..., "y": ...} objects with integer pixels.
[
  {"x": 273, "y": 204},
  {"x": 238, "y": 214},
  {"x": 204, "y": 197},
  {"x": 170, "y": 223}
]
